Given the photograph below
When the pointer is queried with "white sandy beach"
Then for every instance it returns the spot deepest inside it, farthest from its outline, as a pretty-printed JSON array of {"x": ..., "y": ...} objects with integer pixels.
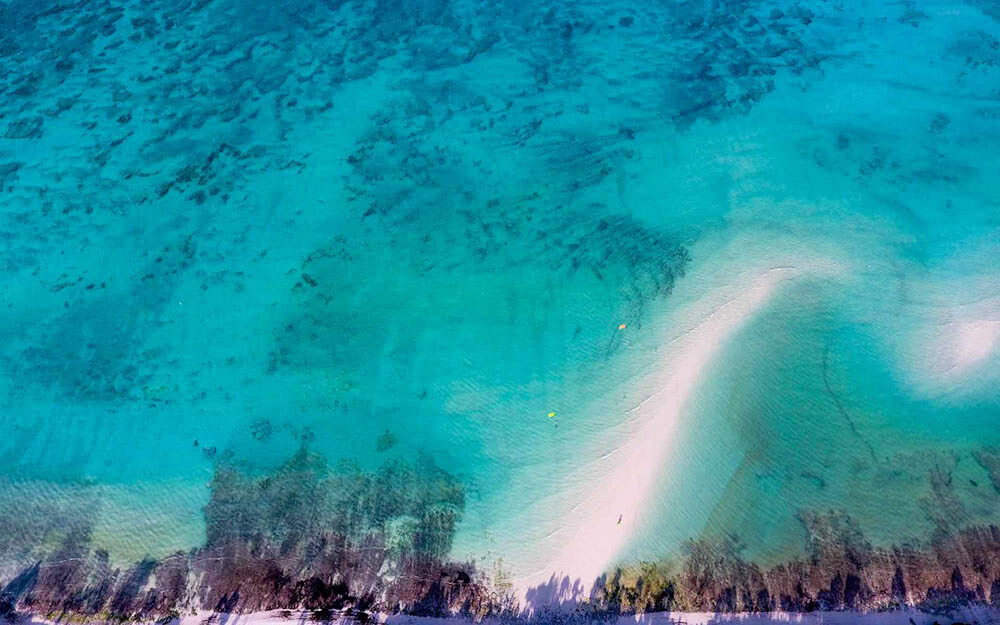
[{"x": 721, "y": 298}]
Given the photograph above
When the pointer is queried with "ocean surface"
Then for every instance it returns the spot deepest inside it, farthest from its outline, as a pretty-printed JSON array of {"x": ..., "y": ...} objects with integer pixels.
[{"x": 574, "y": 282}]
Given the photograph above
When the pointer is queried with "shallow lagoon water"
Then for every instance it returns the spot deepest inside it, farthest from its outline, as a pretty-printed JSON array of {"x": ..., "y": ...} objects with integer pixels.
[{"x": 412, "y": 231}]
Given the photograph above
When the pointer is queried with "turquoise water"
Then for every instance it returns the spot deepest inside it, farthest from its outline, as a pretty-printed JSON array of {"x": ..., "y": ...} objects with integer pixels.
[{"x": 415, "y": 230}]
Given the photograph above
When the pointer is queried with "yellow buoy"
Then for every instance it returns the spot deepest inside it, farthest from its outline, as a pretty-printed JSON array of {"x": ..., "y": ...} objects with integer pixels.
[
  {"x": 552, "y": 415},
  {"x": 621, "y": 326}
]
